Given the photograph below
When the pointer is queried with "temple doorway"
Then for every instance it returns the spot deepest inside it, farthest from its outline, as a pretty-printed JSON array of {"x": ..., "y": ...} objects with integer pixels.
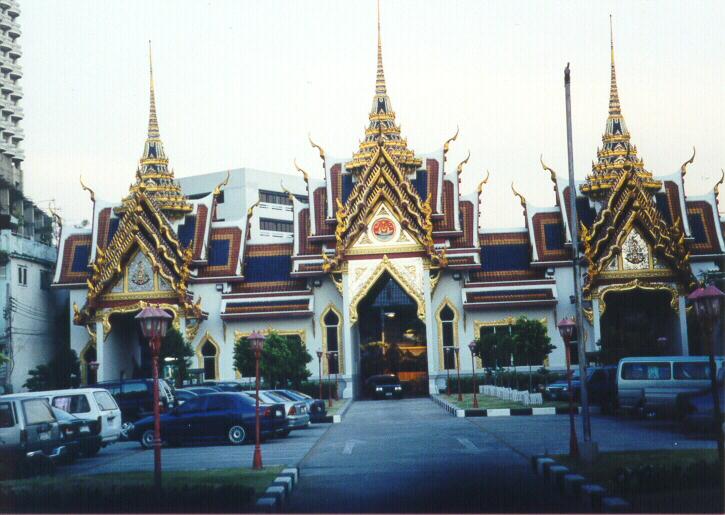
[
  {"x": 392, "y": 337},
  {"x": 638, "y": 323}
]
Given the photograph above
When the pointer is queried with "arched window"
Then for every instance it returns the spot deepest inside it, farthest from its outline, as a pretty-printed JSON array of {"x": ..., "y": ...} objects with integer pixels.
[
  {"x": 448, "y": 336},
  {"x": 209, "y": 354},
  {"x": 331, "y": 327}
]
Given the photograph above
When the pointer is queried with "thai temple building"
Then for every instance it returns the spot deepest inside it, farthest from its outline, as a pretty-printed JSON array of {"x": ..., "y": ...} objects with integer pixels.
[{"x": 386, "y": 263}]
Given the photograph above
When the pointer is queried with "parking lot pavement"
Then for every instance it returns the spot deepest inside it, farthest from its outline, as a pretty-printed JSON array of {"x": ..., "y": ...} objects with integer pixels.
[
  {"x": 411, "y": 456},
  {"x": 550, "y": 433},
  {"x": 129, "y": 456}
]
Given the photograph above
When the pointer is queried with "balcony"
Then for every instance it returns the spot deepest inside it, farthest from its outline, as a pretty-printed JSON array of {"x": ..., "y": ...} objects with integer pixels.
[
  {"x": 16, "y": 92},
  {"x": 16, "y": 111},
  {"x": 14, "y": 30},
  {"x": 5, "y": 42},
  {"x": 16, "y": 70},
  {"x": 14, "y": 9},
  {"x": 6, "y": 85},
  {"x": 5, "y": 21},
  {"x": 19, "y": 135},
  {"x": 14, "y": 51},
  {"x": 6, "y": 64},
  {"x": 6, "y": 4}
]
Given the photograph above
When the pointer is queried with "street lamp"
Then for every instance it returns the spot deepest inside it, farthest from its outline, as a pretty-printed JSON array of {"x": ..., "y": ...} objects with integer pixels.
[
  {"x": 566, "y": 329},
  {"x": 708, "y": 302},
  {"x": 446, "y": 352},
  {"x": 328, "y": 354},
  {"x": 256, "y": 341},
  {"x": 458, "y": 373},
  {"x": 319, "y": 368},
  {"x": 472, "y": 346},
  {"x": 154, "y": 322}
]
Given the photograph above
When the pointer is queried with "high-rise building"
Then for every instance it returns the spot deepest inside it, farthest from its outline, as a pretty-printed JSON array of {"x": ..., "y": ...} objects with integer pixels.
[{"x": 11, "y": 92}]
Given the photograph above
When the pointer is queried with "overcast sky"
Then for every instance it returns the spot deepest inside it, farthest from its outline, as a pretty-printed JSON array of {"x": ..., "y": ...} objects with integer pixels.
[{"x": 241, "y": 83}]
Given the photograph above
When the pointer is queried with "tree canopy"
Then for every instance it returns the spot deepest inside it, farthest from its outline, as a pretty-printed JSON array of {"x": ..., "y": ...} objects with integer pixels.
[
  {"x": 176, "y": 347},
  {"x": 61, "y": 372},
  {"x": 283, "y": 361}
]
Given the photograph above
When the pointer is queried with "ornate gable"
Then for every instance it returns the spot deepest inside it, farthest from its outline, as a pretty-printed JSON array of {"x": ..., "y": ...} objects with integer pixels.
[{"x": 630, "y": 238}]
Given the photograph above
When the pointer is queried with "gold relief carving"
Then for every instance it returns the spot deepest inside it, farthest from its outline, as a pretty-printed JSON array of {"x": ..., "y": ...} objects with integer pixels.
[
  {"x": 359, "y": 272},
  {"x": 337, "y": 281},
  {"x": 446, "y": 302},
  {"x": 637, "y": 284},
  {"x": 340, "y": 346},
  {"x": 448, "y": 142},
  {"x": 104, "y": 316},
  {"x": 192, "y": 328},
  {"x": 217, "y": 355},
  {"x": 435, "y": 276},
  {"x": 386, "y": 265}
]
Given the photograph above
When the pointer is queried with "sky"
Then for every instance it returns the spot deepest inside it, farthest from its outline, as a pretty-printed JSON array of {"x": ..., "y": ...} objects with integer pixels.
[{"x": 242, "y": 83}]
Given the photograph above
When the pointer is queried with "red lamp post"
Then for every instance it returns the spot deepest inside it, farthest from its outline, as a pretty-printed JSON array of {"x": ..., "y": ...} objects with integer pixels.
[
  {"x": 319, "y": 368},
  {"x": 566, "y": 328},
  {"x": 154, "y": 322},
  {"x": 708, "y": 304},
  {"x": 472, "y": 347},
  {"x": 458, "y": 373},
  {"x": 328, "y": 354},
  {"x": 256, "y": 341},
  {"x": 446, "y": 351}
]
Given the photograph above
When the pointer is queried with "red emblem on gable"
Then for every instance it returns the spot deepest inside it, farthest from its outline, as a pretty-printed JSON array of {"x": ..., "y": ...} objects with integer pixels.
[{"x": 383, "y": 229}]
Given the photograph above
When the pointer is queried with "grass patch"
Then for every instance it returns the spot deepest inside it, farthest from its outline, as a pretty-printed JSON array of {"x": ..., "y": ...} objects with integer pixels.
[
  {"x": 337, "y": 405},
  {"x": 632, "y": 473},
  {"x": 488, "y": 402},
  {"x": 223, "y": 490}
]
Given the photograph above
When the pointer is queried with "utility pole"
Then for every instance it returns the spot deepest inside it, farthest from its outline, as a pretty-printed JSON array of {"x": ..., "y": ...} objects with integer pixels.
[{"x": 574, "y": 225}]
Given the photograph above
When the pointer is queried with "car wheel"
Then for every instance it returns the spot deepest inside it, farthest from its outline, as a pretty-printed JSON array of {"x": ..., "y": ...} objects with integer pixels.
[
  {"x": 126, "y": 429},
  {"x": 147, "y": 439},
  {"x": 236, "y": 435}
]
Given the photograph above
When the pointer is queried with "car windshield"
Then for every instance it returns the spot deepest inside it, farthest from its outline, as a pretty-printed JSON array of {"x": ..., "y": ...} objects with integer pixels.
[
  {"x": 385, "y": 380},
  {"x": 105, "y": 401}
]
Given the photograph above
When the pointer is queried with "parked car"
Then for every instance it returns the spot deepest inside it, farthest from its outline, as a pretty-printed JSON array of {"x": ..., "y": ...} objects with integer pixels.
[
  {"x": 183, "y": 395},
  {"x": 91, "y": 404},
  {"x": 216, "y": 416},
  {"x": 315, "y": 407},
  {"x": 29, "y": 435},
  {"x": 651, "y": 384},
  {"x": 202, "y": 390},
  {"x": 296, "y": 411},
  {"x": 225, "y": 386},
  {"x": 80, "y": 436},
  {"x": 696, "y": 409},
  {"x": 384, "y": 386},
  {"x": 601, "y": 387},
  {"x": 135, "y": 397}
]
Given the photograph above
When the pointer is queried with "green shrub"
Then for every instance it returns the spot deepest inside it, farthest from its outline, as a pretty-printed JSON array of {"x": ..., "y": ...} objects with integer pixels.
[
  {"x": 312, "y": 388},
  {"x": 511, "y": 379}
]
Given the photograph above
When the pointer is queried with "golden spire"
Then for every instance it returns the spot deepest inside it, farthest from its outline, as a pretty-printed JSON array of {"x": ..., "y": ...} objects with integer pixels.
[
  {"x": 380, "y": 88},
  {"x": 382, "y": 124},
  {"x": 614, "y": 107},
  {"x": 153, "y": 120},
  {"x": 617, "y": 152}
]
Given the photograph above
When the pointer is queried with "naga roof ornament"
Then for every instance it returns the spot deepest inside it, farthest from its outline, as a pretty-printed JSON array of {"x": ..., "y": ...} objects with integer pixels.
[
  {"x": 617, "y": 150},
  {"x": 382, "y": 125},
  {"x": 154, "y": 174}
]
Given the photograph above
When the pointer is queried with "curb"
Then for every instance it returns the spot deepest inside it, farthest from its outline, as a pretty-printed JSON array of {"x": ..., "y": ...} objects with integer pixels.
[
  {"x": 592, "y": 496},
  {"x": 278, "y": 492},
  {"x": 506, "y": 412},
  {"x": 337, "y": 418}
]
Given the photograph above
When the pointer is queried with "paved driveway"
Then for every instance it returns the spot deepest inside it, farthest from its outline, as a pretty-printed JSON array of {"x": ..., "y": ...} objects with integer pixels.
[
  {"x": 129, "y": 456},
  {"x": 412, "y": 456}
]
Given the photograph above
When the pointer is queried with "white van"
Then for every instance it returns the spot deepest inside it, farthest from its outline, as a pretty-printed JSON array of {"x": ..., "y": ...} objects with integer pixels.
[
  {"x": 89, "y": 404},
  {"x": 652, "y": 383}
]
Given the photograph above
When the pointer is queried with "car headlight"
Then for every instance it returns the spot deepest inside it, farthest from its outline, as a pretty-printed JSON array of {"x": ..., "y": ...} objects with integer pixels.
[
  {"x": 398, "y": 388},
  {"x": 378, "y": 388}
]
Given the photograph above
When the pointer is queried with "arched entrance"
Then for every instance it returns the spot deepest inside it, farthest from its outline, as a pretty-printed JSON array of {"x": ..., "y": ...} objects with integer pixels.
[
  {"x": 392, "y": 337},
  {"x": 638, "y": 323}
]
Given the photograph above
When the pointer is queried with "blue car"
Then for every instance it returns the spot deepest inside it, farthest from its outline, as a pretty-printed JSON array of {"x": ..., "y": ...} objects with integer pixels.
[{"x": 223, "y": 416}]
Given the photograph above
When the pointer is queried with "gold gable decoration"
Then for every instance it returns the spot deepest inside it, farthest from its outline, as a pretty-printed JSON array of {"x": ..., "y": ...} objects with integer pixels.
[
  {"x": 142, "y": 228},
  {"x": 631, "y": 226},
  {"x": 383, "y": 181}
]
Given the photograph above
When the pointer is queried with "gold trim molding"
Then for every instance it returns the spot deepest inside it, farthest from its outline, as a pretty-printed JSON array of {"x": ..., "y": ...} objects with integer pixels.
[{"x": 638, "y": 285}]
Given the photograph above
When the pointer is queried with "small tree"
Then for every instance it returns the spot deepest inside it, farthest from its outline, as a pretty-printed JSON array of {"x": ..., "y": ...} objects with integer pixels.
[
  {"x": 63, "y": 371},
  {"x": 283, "y": 361},
  {"x": 176, "y": 347},
  {"x": 531, "y": 342}
]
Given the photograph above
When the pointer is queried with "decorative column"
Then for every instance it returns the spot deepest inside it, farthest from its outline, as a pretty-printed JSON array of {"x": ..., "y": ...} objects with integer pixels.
[
  {"x": 596, "y": 322},
  {"x": 682, "y": 322},
  {"x": 99, "y": 352},
  {"x": 431, "y": 334},
  {"x": 351, "y": 361}
]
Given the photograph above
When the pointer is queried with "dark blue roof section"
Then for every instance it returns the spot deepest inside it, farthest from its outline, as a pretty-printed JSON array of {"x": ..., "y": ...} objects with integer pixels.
[
  {"x": 554, "y": 236},
  {"x": 112, "y": 227},
  {"x": 80, "y": 258},
  {"x": 347, "y": 186},
  {"x": 585, "y": 212},
  {"x": 697, "y": 227},
  {"x": 510, "y": 256},
  {"x": 267, "y": 268},
  {"x": 420, "y": 183},
  {"x": 392, "y": 295},
  {"x": 219, "y": 253},
  {"x": 663, "y": 206},
  {"x": 186, "y": 230}
]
